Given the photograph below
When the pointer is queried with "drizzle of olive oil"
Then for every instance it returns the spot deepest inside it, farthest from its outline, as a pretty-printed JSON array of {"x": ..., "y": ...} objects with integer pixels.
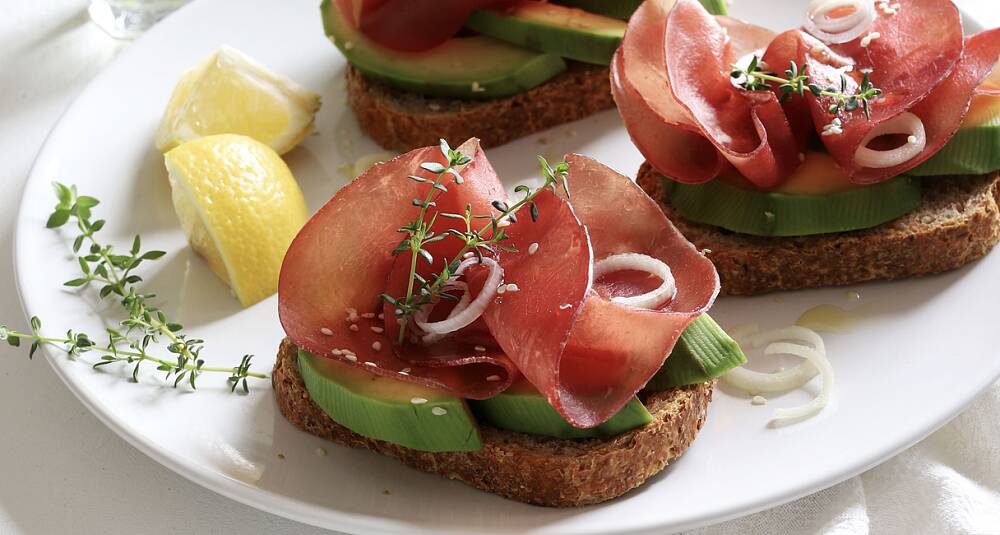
[{"x": 829, "y": 318}]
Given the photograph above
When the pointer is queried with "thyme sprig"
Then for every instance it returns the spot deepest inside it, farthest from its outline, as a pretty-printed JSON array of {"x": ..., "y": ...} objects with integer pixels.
[
  {"x": 422, "y": 291},
  {"x": 797, "y": 82},
  {"x": 146, "y": 325}
]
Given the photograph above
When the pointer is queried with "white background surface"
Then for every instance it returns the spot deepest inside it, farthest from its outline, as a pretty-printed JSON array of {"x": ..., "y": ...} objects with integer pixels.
[{"x": 61, "y": 471}]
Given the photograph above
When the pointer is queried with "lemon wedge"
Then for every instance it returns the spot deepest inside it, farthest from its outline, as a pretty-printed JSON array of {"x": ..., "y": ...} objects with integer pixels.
[
  {"x": 239, "y": 206},
  {"x": 229, "y": 93}
]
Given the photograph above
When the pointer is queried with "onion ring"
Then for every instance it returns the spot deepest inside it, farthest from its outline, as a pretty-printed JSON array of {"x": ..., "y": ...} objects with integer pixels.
[
  {"x": 640, "y": 262},
  {"x": 839, "y": 29},
  {"x": 904, "y": 123},
  {"x": 475, "y": 308}
]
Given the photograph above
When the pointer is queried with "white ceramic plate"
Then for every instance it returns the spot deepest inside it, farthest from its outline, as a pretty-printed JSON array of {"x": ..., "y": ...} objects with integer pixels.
[{"x": 921, "y": 352}]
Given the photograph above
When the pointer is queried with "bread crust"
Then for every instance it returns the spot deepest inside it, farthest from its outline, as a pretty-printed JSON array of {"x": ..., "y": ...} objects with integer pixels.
[
  {"x": 400, "y": 120},
  {"x": 958, "y": 222},
  {"x": 527, "y": 468}
]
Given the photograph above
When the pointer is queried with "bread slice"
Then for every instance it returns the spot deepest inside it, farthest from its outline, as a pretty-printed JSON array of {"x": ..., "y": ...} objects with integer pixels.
[
  {"x": 958, "y": 222},
  {"x": 400, "y": 120},
  {"x": 527, "y": 468}
]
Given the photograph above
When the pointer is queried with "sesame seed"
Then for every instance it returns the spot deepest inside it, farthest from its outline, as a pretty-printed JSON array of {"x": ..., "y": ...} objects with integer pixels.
[
  {"x": 533, "y": 248},
  {"x": 492, "y": 378},
  {"x": 469, "y": 254},
  {"x": 434, "y": 106},
  {"x": 802, "y": 157},
  {"x": 376, "y": 345},
  {"x": 565, "y": 306},
  {"x": 354, "y": 327},
  {"x": 326, "y": 331},
  {"x": 381, "y": 316},
  {"x": 480, "y": 349},
  {"x": 320, "y": 452},
  {"x": 911, "y": 139},
  {"x": 503, "y": 222},
  {"x": 476, "y": 88},
  {"x": 867, "y": 40},
  {"x": 439, "y": 411},
  {"x": 769, "y": 216},
  {"x": 502, "y": 288},
  {"x": 758, "y": 400},
  {"x": 405, "y": 370},
  {"x": 513, "y": 288},
  {"x": 351, "y": 357},
  {"x": 378, "y": 330},
  {"x": 418, "y": 401},
  {"x": 368, "y": 315},
  {"x": 336, "y": 352},
  {"x": 371, "y": 364},
  {"x": 348, "y": 45}
]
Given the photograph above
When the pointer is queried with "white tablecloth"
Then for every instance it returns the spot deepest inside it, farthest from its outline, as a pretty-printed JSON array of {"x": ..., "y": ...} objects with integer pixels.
[{"x": 62, "y": 471}]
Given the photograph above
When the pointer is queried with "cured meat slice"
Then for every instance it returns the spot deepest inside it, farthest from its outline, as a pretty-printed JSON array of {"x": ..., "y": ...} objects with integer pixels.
[
  {"x": 660, "y": 128},
  {"x": 917, "y": 49},
  {"x": 411, "y": 25},
  {"x": 944, "y": 109},
  {"x": 338, "y": 265},
  {"x": 586, "y": 354},
  {"x": 749, "y": 127}
]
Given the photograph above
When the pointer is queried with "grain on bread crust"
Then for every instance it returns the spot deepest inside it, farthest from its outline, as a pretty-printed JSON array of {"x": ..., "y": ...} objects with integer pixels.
[
  {"x": 400, "y": 120},
  {"x": 538, "y": 470},
  {"x": 957, "y": 222}
]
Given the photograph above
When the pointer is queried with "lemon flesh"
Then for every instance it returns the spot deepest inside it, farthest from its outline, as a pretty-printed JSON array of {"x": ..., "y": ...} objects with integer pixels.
[
  {"x": 229, "y": 93},
  {"x": 240, "y": 208}
]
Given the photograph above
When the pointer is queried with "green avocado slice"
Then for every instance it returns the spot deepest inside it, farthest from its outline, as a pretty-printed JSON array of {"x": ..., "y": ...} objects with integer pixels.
[
  {"x": 974, "y": 149},
  {"x": 523, "y": 409},
  {"x": 623, "y": 9},
  {"x": 760, "y": 213},
  {"x": 703, "y": 352},
  {"x": 474, "y": 68},
  {"x": 565, "y": 31},
  {"x": 383, "y": 408}
]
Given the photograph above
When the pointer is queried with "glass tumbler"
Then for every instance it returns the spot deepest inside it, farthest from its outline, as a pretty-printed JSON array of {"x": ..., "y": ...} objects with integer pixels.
[{"x": 127, "y": 19}]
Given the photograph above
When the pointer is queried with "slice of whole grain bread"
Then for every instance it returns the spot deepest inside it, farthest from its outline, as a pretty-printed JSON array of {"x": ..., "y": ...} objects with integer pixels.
[
  {"x": 527, "y": 468},
  {"x": 400, "y": 120},
  {"x": 957, "y": 222}
]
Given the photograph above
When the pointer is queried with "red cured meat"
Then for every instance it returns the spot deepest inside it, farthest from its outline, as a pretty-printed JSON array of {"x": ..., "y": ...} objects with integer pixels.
[
  {"x": 342, "y": 258},
  {"x": 944, "y": 109},
  {"x": 660, "y": 128},
  {"x": 750, "y": 128},
  {"x": 412, "y": 25},
  {"x": 917, "y": 50},
  {"x": 587, "y": 355}
]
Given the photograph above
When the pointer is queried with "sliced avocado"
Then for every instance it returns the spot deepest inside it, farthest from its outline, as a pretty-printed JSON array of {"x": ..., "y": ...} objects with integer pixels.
[
  {"x": 761, "y": 213},
  {"x": 623, "y": 9},
  {"x": 619, "y": 9},
  {"x": 478, "y": 68},
  {"x": 523, "y": 409},
  {"x": 975, "y": 148},
  {"x": 703, "y": 352},
  {"x": 383, "y": 408},
  {"x": 569, "y": 32}
]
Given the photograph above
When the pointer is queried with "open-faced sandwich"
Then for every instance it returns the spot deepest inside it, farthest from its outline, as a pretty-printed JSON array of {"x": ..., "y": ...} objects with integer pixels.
[
  {"x": 864, "y": 146},
  {"x": 518, "y": 344},
  {"x": 494, "y": 69}
]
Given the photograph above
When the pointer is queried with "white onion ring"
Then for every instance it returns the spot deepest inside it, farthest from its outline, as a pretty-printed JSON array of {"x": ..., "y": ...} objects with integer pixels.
[
  {"x": 904, "y": 123},
  {"x": 475, "y": 308},
  {"x": 462, "y": 304},
  {"x": 639, "y": 262},
  {"x": 840, "y": 29},
  {"x": 780, "y": 342},
  {"x": 818, "y": 360}
]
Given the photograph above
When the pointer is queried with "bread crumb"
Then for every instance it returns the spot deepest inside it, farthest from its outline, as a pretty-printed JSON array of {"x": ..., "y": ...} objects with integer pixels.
[
  {"x": 758, "y": 400},
  {"x": 281, "y": 456},
  {"x": 386, "y": 492},
  {"x": 320, "y": 452}
]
